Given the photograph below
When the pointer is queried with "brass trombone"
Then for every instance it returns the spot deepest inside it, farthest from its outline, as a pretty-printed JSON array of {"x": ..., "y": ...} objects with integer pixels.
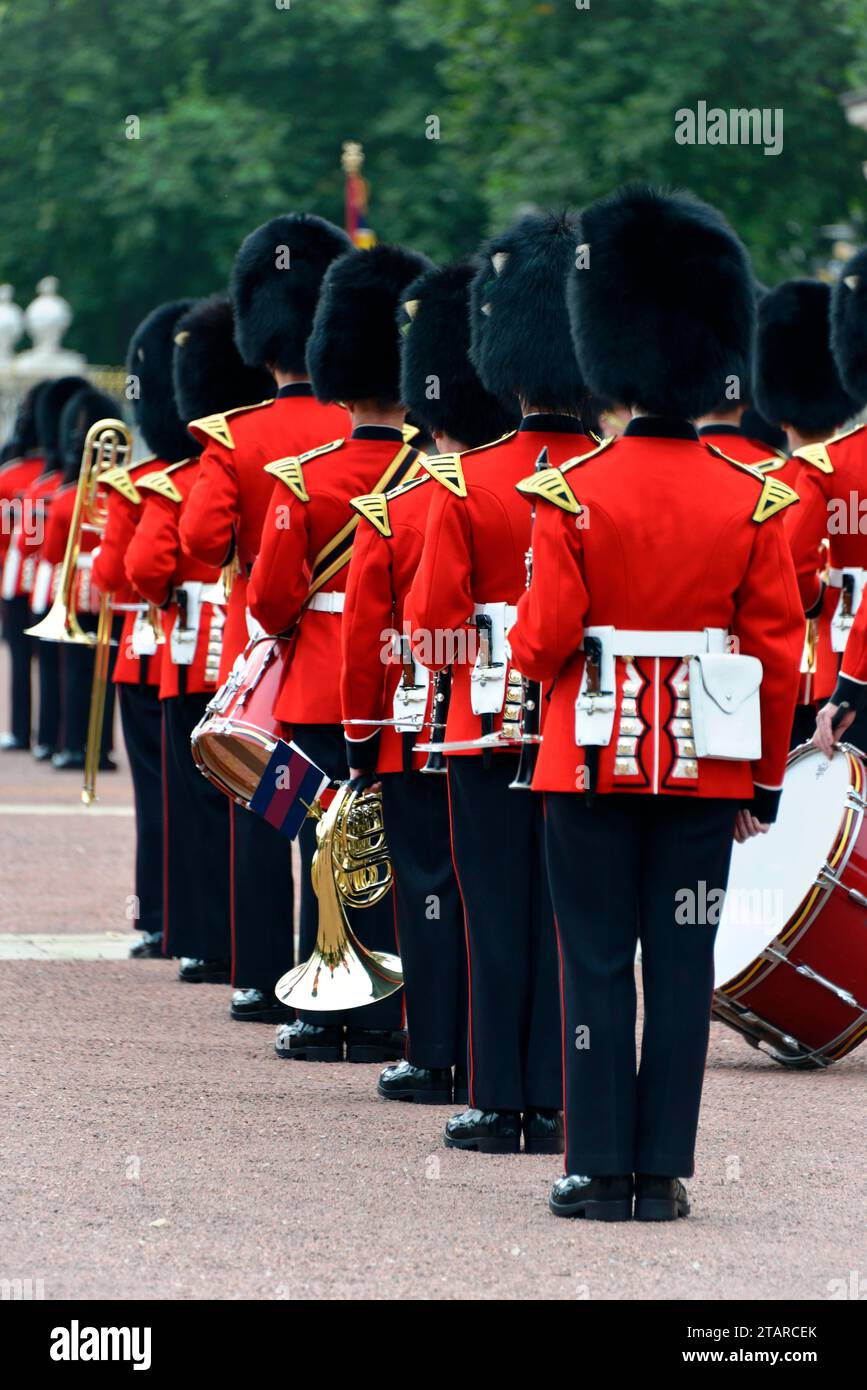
[
  {"x": 108, "y": 444},
  {"x": 350, "y": 868}
]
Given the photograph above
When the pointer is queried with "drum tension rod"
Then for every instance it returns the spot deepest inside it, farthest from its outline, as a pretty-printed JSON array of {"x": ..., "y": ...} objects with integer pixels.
[
  {"x": 827, "y": 875},
  {"x": 808, "y": 973}
]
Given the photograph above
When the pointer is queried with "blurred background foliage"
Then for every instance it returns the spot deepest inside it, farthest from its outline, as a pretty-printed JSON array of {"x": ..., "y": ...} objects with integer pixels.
[{"x": 244, "y": 104}]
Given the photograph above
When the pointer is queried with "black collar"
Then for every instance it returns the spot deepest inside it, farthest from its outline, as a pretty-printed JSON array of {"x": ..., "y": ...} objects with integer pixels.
[
  {"x": 658, "y": 427},
  {"x": 720, "y": 429},
  {"x": 552, "y": 424},
  {"x": 295, "y": 388},
  {"x": 377, "y": 432}
]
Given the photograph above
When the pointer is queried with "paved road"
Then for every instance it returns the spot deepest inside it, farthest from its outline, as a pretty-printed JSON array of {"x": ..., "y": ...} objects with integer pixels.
[{"x": 151, "y": 1148}]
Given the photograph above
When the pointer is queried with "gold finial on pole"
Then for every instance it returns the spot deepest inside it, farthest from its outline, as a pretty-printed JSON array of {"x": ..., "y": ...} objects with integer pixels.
[{"x": 352, "y": 157}]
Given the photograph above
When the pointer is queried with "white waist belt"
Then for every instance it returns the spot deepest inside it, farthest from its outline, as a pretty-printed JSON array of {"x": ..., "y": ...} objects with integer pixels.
[
  {"x": 492, "y": 609},
  {"x": 207, "y": 593},
  {"x": 835, "y": 576},
  {"x": 634, "y": 642},
  {"x": 327, "y": 603}
]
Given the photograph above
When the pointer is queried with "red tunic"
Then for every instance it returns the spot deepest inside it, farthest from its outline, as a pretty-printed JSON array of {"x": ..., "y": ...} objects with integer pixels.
[
  {"x": 16, "y": 475},
  {"x": 667, "y": 536},
  {"x": 123, "y": 515},
  {"x": 86, "y": 598},
  {"x": 474, "y": 552},
  {"x": 225, "y": 513},
  {"x": 296, "y": 531},
  {"x": 28, "y": 535},
  {"x": 156, "y": 565}
]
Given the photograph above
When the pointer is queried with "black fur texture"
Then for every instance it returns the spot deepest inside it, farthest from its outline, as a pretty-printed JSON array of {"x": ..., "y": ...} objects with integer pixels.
[
  {"x": 82, "y": 410},
  {"x": 520, "y": 340},
  {"x": 49, "y": 408},
  {"x": 353, "y": 353},
  {"x": 796, "y": 381},
  {"x": 149, "y": 360},
  {"x": 663, "y": 316},
  {"x": 209, "y": 374},
  {"x": 435, "y": 344},
  {"x": 23, "y": 438},
  {"x": 275, "y": 285},
  {"x": 849, "y": 327}
]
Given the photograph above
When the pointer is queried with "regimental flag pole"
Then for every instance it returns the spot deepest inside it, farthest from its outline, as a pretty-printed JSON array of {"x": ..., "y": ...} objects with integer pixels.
[{"x": 356, "y": 193}]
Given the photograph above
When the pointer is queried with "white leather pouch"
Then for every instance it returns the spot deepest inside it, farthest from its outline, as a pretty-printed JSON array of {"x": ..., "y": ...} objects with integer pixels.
[
  {"x": 847, "y": 606},
  {"x": 488, "y": 677},
  {"x": 595, "y": 710},
  {"x": 185, "y": 632},
  {"x": 410, "y": 696},
  {"x": 726, "y": 711},
  {"x": 143, "y": 639}
]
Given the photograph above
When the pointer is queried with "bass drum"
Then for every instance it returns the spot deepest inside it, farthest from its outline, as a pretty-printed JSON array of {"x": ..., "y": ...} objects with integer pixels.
[
  {"x": 791, "y": 950},
  {"x": 234, "y": 739}
]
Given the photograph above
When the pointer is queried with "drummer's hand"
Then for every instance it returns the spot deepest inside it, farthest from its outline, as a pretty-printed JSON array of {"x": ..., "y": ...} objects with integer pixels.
[
  {"x": 366, "y": 780},
  {"x": 825, "y": 737},
  {"x": 747, "y": 825}
]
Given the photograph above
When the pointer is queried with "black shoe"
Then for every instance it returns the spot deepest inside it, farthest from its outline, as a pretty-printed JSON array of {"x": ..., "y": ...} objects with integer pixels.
[
  {"x": 310, "y": 1042},
  {"x": 42, "y": 752},
  {"x": 543, "y": 1132},
  {"x": 429, "y": 1086},
  {"x": 258, "y": 1006},
  {"x": 461, "y": 1094},
  {"x": 659, "y": 1199},
  {"x": 375, "y": 1044},
  {"x": 68, "y": 761},
  {"x": 485, "y": 1131},
  {"x": 107, "y": 764},
  {"x": 150, "y": 947},
  {"x": 203, "y": 972},
  {"x": 596, "y": 1199},
  {"x": 10, "y": 744}
]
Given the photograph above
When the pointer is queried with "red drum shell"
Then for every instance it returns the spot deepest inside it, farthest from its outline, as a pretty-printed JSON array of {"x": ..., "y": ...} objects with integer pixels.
[{"x": 234, "y": 740}]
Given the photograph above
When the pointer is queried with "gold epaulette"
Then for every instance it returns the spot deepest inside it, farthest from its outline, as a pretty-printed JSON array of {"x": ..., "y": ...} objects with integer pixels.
[
  {"x": 446, "y": 469},
  {"x": 773, "y": 464},
  {"x": 374, "y": 508},
  {"x": 551, "y": 486},
  {"x": 216, "y": 427},
  {"x": 585, "y": 458},
  {"x": 161, "y": 483},
  {"x": 409, "y": 433},
  {"x": 817, "y": 455},
  {"x": 288, "y": 471},
  {"x": 775, "y": 495},
  {"x": 119, "y": 479}
]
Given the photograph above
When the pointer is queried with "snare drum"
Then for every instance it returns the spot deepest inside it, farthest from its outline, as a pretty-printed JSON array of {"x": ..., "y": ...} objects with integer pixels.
[
  {"x": 791, "y": 950},
  {"x": 237, "y": 734}
]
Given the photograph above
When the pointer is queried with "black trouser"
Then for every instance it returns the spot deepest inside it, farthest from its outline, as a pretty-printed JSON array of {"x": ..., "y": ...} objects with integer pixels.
[
  {"x": 498, "y": 838},
  {"x": 625, "y": 869},
  {"x": 374, "y": 926},
  {"x": 430, "y": 918},
  {"x": 76, "y": 688},
  {"x": 48, "y": 721},
  {"x": 17, "y": 617},
  {"x": 262, "y": 902},
  {"x": 196, "y": 845},
  {"x": 142, "y": 733},
  {"x": 803, "y": 725}
]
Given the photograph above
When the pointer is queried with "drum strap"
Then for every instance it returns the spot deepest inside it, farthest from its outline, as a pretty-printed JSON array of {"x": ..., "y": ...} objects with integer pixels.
[{"x": 338, "y": 551}]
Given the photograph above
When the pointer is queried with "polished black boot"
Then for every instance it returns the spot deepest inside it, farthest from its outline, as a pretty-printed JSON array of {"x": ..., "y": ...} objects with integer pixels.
[
  {"x": 374, "y": 1044},
  {"x": 42, "y": 752},
  {"x": 310, "y": 1042},
  {"x": 659, "y": 1199},
  {"x": 484, "y": 1131},
  {"x": 69, "y": 760},
  {"x": 10, "y": 744},
  {"x": 428, "y": 1086},
  {"x": 258, "y": 1006},
  {"x": 203, "y": 972},
  {"x": 543, "y": 1132},
  {"x": 150, "y": 947},
  {"x": 595, "y": 1199}
]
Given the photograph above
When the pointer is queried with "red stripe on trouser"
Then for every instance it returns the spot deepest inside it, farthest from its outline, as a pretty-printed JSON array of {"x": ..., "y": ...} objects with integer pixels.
[
  {"x": 164, "y": 766},
  {"x": 470, "y": 1059},
  {"x": 562, "y": 1006}
]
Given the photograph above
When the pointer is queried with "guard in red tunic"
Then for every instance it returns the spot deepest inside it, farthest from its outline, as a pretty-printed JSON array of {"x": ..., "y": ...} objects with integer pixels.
[
  {"x": 797, "y": 381},
  {"x": 471, "y": 575},
  {"x": 663, "y": 618},
  {"x": 299, "y": 582},
  {"x": 197, "y": 842},
  {"x": 275, "y": 285},
  {"x": 141, "y": 643},
  {"x": 396, "y": 698}
]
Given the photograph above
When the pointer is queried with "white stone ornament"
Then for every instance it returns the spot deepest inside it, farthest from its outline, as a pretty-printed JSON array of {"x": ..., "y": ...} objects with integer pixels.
[
  {"x": 11, "y": 323},
  {"x": 47, "y": 318}
]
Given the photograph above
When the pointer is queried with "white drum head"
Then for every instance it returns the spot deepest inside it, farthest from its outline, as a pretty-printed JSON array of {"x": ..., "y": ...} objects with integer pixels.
[{"x": 772, "y": 874}]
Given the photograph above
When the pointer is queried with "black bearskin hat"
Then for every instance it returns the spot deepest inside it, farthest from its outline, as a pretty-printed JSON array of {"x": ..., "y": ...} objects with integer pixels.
[
  {"x": 353, "y": 353},
  {"x": 796, "y": 381},
  {"x": 275, "y": 285},
  {"x": 23, "y": 438},
  {"x": 663, "y": 313},
  {"x": 520, "y": 341},
  {"x": 849, "y": 327},
  {"x": 81, "y": 410},
  {"x": 434, "y": 320},
  {"x": 49, "y": 408},
  {"x": 149, "y": 361},
  {"x": 209, "y": 374}
]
